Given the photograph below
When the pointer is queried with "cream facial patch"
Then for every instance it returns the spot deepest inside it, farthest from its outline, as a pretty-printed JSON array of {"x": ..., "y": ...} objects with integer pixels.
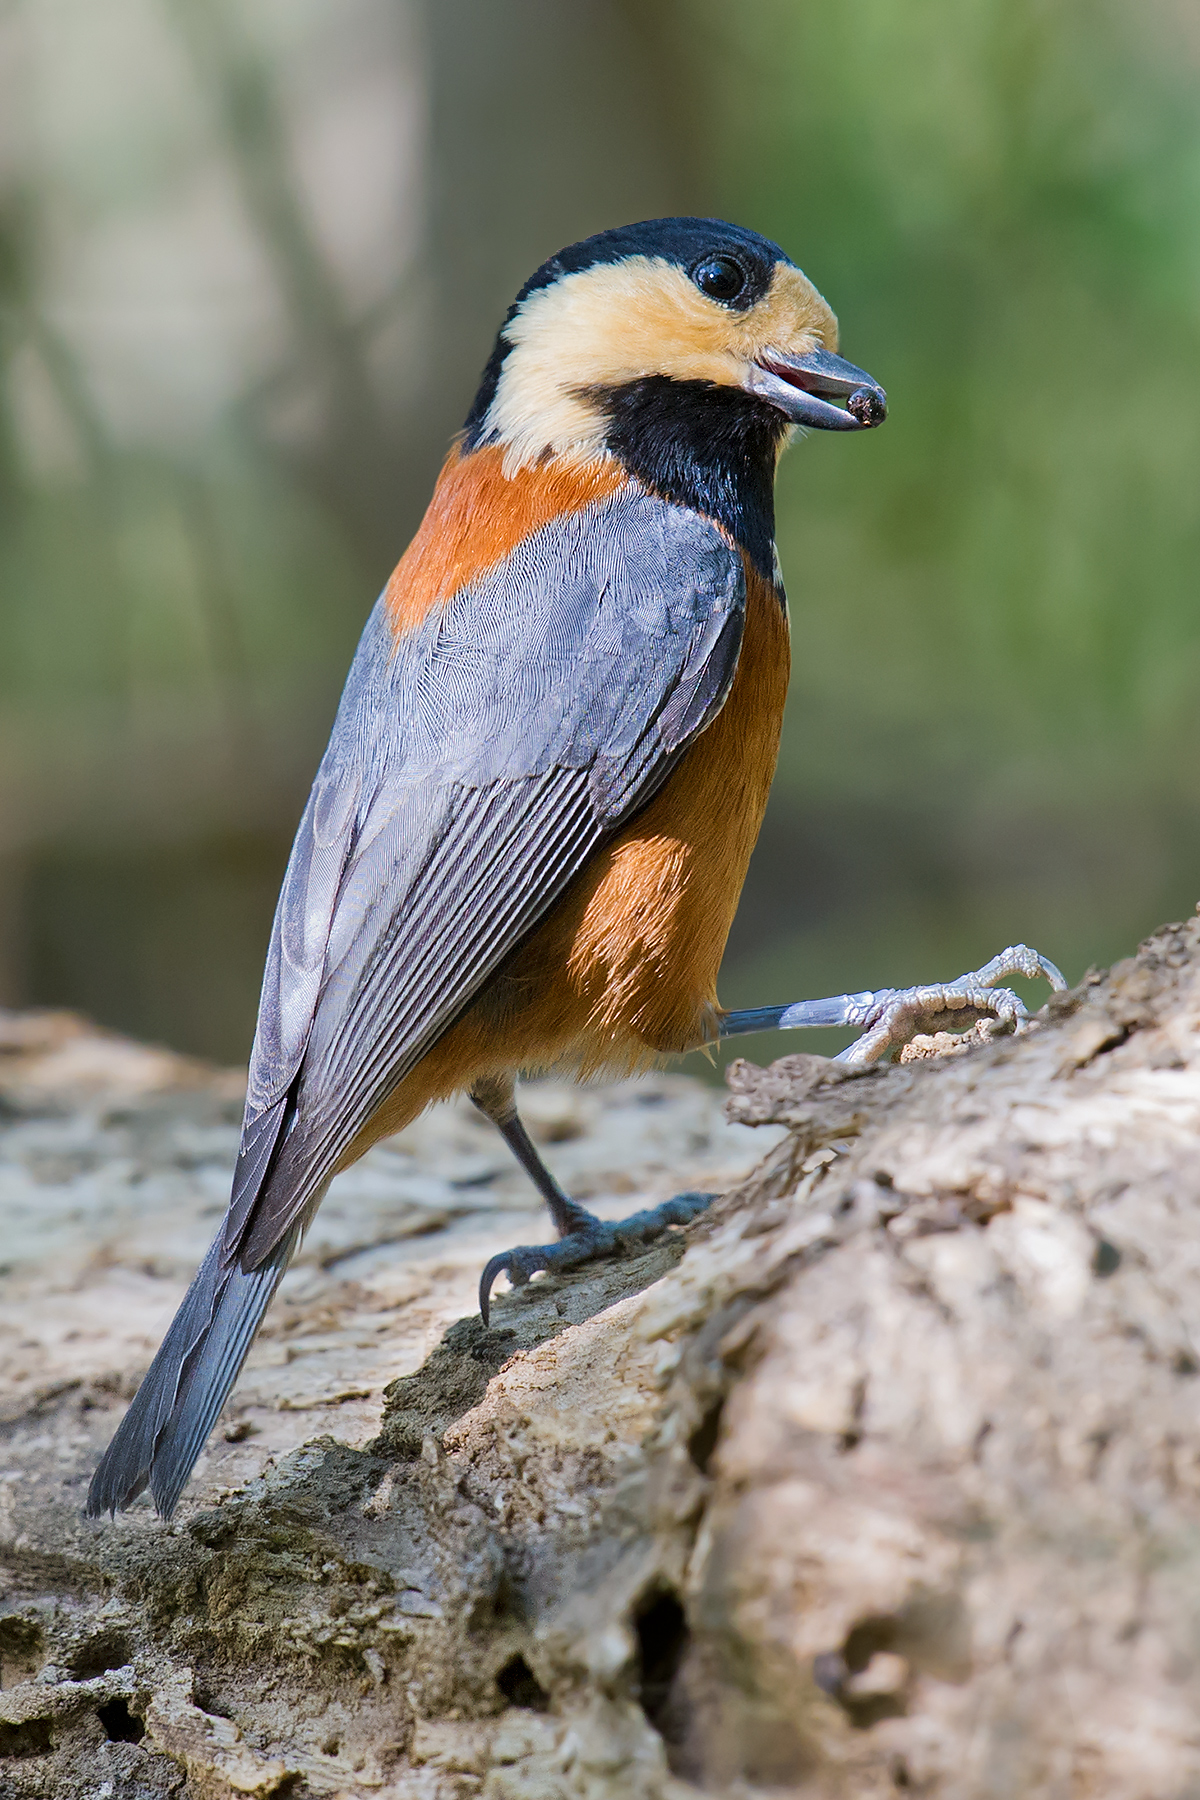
[{"x": 611, "y": 324}]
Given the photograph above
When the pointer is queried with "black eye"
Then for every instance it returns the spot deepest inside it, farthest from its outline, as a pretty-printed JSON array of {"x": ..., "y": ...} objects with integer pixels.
[{"x": 719, "y": 277}]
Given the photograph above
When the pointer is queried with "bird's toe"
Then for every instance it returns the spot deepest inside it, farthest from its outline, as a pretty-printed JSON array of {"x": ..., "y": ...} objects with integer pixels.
[
  {"x": 592, "y": 1241},
  {"x": 898, "y": 1014}
]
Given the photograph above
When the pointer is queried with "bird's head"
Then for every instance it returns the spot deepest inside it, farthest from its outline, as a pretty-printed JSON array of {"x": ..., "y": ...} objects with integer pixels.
[{"x": 675, "y": 317}]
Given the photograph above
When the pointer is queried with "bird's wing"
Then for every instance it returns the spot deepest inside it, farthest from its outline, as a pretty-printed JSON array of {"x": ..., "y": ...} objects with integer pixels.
[{"x": 474, "y": 765}]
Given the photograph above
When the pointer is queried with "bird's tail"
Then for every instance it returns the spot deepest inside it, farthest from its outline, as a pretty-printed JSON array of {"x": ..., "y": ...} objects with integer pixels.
[{"x": 175, "y": 1408}]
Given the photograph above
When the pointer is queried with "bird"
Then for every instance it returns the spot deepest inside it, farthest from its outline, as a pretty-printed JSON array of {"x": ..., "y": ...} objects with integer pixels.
[{"x": 526, "y": 841}]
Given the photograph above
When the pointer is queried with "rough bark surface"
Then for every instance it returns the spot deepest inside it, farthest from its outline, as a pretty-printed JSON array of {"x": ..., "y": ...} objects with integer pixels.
[{"x": 883, "y": 1478}]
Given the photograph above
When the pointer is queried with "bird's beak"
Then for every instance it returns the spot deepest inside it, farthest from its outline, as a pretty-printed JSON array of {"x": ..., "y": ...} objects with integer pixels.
[{"x": 803, "y": 386}]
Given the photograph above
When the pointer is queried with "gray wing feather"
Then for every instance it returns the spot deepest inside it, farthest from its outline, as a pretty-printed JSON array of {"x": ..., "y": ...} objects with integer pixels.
[
  {"x": 197, "y": 1363},
  {"x": 300, "y": 936}
]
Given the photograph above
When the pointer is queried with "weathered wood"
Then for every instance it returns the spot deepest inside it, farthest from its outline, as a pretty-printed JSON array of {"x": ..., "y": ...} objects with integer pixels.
[{"x": 891, "y": 1482}]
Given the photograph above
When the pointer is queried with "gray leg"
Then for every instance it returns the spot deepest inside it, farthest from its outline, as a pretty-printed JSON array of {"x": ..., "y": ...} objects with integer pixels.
[
  {"x": 581, "y": 1236},
  {"x": 889, "y": 1017}
]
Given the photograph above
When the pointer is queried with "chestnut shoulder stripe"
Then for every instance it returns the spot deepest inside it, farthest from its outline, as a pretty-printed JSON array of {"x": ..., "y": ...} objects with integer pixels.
[{"x": 478, "y": 515}]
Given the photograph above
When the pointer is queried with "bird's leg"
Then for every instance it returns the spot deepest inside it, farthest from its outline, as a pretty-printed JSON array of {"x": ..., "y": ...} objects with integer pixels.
[
  {"x": 889, "y": 1017},
  {"x": 582, "y": 1237}
]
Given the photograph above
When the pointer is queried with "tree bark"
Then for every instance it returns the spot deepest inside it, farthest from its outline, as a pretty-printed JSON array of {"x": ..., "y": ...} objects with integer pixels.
[{"x": 882, "y": 1478}]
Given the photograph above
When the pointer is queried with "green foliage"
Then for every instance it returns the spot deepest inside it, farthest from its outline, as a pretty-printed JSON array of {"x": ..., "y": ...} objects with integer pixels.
[{"x": 995, "y": 597}]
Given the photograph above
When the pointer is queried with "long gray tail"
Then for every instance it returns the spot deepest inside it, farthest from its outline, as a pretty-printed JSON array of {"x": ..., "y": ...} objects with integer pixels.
[{"x": 175, "y": 1408}]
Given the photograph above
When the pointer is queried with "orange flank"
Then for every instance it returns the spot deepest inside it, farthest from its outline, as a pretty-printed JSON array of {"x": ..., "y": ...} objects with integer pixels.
[
  {"x": 623, "y": 971},
  {"x": 648, "y": 920},
  {"x": 478, "y": 514}
]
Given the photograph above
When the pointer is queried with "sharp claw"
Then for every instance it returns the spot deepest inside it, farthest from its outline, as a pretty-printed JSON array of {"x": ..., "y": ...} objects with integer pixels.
[
  {"x": 509, "y": 1262},
  {"x": 492, "y": 1268}
]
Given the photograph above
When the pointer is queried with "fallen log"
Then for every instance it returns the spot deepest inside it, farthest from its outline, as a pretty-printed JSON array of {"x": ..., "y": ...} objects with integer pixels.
[{"x": 882, "y": 1478}]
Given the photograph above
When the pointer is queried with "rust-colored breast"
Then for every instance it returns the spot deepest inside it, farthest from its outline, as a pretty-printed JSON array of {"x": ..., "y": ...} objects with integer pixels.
[{"x": 477, "y": 515}]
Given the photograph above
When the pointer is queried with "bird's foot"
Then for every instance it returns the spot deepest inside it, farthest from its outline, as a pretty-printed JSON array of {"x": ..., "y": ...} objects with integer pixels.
[
  {"x": 588, "y": 1239},
  {"x": 893, "y": 1016}
]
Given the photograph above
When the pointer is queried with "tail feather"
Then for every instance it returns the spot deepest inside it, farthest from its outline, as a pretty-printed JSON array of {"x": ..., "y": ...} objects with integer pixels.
[{"x": 172, "y": 1413}]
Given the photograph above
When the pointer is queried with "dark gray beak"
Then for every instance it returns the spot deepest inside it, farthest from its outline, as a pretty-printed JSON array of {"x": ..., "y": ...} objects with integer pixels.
[{"x": 803, "y": 387}]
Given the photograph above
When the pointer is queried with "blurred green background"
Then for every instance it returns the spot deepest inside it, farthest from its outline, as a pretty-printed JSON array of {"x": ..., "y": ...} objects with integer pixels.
[{"x": 251, "y": 263}]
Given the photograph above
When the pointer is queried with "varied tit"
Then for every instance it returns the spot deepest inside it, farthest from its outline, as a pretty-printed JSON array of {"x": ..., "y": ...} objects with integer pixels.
[{"x": 525, "y": 844}]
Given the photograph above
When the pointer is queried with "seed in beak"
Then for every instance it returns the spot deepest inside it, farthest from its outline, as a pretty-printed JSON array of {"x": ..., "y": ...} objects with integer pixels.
[{"x": 867, "y": 407}]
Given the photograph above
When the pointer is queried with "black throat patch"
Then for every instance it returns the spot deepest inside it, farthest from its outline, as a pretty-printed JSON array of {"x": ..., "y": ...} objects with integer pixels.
[{"x": 702, "y": 445}]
